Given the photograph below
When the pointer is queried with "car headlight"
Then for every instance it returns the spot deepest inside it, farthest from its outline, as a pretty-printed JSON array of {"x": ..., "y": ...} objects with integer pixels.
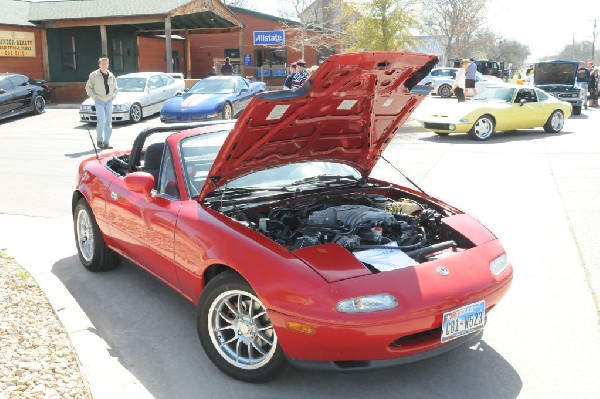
[
  {"x": 499, "y": 265},
  {"x": 120, "y": 107},
  {"x": 86, "y": 108},
  {"x": 368, "y": 303}
]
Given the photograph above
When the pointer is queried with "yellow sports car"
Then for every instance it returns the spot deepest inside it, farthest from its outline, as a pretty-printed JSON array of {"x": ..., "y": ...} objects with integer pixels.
[{"x": 501, "y": 108}]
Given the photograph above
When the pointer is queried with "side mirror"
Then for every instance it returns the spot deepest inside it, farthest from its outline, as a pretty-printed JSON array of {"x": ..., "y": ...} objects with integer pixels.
[
  {"x": 522, "y": 102},
  {"x": 140, "y": 182}
]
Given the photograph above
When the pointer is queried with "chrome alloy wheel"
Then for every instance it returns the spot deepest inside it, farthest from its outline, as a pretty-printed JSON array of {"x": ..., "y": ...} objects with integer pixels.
[
  {"x": 557, "y": 121},
  {"x": 135, "y": 113},
  {"x": 483, "y": 128},
  {"x": 240, "y": 330},
  {"x": 85, "y": 235},
  {"x": 39, "y": 104}
]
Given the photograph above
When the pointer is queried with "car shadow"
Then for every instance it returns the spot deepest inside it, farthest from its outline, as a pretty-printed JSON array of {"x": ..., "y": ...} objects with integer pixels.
[
  {"x": 498, "y": 137},
  {"x": 151, "y": 331}
]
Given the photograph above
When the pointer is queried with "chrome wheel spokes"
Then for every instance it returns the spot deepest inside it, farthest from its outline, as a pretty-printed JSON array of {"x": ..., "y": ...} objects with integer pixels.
[{"x": 85, "y": 235}]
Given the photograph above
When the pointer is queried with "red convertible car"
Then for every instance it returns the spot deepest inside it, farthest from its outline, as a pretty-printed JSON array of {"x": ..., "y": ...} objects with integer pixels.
[{"x": 273, "y": 227}]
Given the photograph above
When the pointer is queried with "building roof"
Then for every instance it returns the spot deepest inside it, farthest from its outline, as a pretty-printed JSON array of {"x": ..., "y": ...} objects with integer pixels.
[
  {"x": 14, "y": 12},
  {"x": 262, "y": 15}
]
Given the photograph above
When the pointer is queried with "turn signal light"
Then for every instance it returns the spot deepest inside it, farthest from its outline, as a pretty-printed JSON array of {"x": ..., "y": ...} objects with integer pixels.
[{"x": 303, "y": 328}]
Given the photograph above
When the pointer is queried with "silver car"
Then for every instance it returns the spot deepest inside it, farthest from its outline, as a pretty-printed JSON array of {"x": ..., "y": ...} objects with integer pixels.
[{"x": 140, "y": 94}]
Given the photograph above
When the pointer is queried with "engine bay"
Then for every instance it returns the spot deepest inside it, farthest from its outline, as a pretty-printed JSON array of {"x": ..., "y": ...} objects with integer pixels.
[{"x": 368, "y": 225}]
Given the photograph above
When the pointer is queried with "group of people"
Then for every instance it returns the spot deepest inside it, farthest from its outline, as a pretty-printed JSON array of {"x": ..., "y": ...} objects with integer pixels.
[
  {"x": 465, "y": 80},
  {"x": 298, "y": 75},
  {"x": 587, "y": 79}
]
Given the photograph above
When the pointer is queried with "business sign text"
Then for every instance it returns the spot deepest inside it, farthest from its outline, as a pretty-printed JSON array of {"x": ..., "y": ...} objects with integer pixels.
[
  {"x": 17, "y": 44},
  {"x": 269, "y": 37}
]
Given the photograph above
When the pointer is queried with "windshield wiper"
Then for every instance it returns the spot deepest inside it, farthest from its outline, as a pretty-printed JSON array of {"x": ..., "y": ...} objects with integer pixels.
[
  {"x": 242, "y": 191},
  {"x": 327, "y": 180}
]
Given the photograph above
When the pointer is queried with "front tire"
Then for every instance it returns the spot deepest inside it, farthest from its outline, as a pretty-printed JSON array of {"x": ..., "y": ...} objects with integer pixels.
[
  {"x": 39, "y": 105},
  {"x": 227, "y": 111},
  {"x": 483, "y": 128},
  {"x": 93, "y": 253},
  {"x": 555, "y": 122},
  {"x": 236, "y": 332},
  {"x": 445, "y": 91},
  {"x": 135, "y": 113}
]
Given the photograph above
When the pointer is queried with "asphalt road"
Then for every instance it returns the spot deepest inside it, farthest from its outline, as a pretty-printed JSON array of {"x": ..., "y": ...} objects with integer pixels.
[{"x": 537, "y": 192}]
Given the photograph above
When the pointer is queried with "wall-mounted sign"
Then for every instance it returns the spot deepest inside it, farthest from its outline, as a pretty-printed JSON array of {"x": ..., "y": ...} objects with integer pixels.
[
  {"x": 248, "y": 59},
  {"x": 17, "y": 44},
  {"x": 269, "y": 37}
]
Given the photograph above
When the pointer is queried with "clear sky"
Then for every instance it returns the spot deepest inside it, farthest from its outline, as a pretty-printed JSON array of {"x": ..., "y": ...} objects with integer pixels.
[{"x": 546, "y": 26}]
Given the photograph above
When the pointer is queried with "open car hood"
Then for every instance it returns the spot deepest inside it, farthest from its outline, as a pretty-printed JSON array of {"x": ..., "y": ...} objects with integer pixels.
[
  {"x": 347, "y": 112},
  {"x": 555, "y": 73}
]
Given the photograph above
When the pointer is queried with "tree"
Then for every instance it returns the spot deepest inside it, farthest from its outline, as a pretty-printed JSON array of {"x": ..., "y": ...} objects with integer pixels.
[
  {"x": 488, "y": 45},
  {"x": 457, "y": 21},
  {"x": 577, "y": 51},
  {"x": 380, "y": 25}
]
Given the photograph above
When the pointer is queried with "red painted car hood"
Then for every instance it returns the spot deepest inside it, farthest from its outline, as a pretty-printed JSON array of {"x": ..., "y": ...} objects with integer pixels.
[{"x": 347, "y": 112}]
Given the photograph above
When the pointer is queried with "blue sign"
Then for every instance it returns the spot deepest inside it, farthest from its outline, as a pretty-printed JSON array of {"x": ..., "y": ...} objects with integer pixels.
[
  {"x": 247, "y": 59},
  {"x": 263, "y": 72},
  {"x": 279, "y": 72},
  {"x": 269, "y": 37}
]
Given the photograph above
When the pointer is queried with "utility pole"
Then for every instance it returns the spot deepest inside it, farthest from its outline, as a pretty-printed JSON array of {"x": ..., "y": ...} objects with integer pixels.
[{"x": 594, "y": 41}]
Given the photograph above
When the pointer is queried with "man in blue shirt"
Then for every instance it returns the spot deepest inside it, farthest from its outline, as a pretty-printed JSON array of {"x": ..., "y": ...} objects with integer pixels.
[
  {"x": 470, "y": 78},
  {"x": 583, "y": 77}
]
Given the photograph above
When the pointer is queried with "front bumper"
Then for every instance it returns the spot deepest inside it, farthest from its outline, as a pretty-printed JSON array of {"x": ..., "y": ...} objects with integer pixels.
[
  {"x": 90, "y": 117},
  {"x": 365, "y": 365},
  {"x": 179, "y": 118},
  {"x": 447, "y": 126}
]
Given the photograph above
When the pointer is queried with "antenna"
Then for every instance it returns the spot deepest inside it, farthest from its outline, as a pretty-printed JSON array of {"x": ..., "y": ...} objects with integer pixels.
[{"x": 93, "y": 144}]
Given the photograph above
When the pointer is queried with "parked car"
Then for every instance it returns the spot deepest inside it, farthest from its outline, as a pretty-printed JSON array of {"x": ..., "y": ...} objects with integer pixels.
[
  {"x": 140, "y": 94},
  {"x": 558, "y": 78},
  {"x": 500, "y": 108},
  {"x": 20, "y": 94},
  {"x": 216, "y": 97},
  {"x": 437, "y": 73},
  {"x": 273, "y": 227},
  {"x": 443, "y": 86}
]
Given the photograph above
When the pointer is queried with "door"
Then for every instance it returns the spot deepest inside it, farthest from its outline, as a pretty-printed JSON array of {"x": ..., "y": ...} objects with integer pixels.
[
  {"x": 156, "y": 90},
  {"x": 530, "y": 113},
  {"x": 7, "y": 104},
  {"x": 23, "y": 92},
  {"x": 145, "y": 228},
  {"x": 243, "y": 93}
]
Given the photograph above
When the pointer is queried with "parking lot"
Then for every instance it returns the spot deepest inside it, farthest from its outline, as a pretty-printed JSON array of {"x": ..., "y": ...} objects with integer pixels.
[{"x": 537, "y": 192}]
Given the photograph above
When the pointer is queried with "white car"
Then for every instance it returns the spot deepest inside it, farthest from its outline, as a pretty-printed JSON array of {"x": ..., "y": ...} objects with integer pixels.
[
  {"x": 438, "y": 73},
  {"x": 140, "y": 94},
  {"x": 443, "y": 86}
]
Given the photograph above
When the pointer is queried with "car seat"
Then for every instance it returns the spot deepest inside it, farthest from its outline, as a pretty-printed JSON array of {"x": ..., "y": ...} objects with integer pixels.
[{"x": 152, "y": 160}]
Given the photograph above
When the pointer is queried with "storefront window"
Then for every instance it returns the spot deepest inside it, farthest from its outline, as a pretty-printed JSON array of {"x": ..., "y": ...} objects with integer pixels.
[
  {"x": 272, "y": 61},
  {"x": 69, "y": 53},
  {"x": 118, "y": 56}
]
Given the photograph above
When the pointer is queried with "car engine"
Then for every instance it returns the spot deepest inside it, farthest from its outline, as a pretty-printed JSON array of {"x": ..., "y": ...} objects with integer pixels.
[{"x": 356, "y": 223}]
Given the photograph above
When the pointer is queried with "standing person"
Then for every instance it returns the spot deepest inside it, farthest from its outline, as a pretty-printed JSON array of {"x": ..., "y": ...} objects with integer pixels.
[
  {"x": 102, "y": 88},
  {"x": 227, "y": 68},
  {"x": 287, "y": 85},
  {"x": 593, "y": 87},
  {"x": 459, "y": 85},
  {"x": 470, "y": 76},
  {"x": 583, "y": 76},
  {"x": 300, "y": 76}
]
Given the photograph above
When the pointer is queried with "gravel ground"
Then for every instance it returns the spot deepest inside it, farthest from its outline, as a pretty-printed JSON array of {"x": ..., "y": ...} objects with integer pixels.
[{"x": 36, "y": 356}]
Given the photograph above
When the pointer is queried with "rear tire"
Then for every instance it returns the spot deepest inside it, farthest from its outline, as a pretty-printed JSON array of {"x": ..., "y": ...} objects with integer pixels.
[
  {"x": 93, "y": 253},
  {"x": 577, "y": 110},
  {"x": 236, "y": 332},
  {"x": 555, "y": 122},
  {"x": 227, "y": 111},
  {"x": 39, "y": 105}
]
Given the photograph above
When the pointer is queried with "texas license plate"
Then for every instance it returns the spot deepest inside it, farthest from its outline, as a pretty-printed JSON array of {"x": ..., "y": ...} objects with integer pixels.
[{"x": 463, "y": 321}]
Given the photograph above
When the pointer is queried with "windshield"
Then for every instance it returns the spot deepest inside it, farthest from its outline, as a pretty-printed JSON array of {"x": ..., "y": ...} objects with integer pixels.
[
  {"x": 131, "y": 84},
  {"x": 199, "y": 153},
  {"x": 497, "y": 94},
  {"x": 213, "y": 86}
]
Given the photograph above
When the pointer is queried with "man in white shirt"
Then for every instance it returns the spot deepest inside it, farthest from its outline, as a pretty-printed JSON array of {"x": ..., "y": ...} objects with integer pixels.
[{"x": 459, "y": 85}]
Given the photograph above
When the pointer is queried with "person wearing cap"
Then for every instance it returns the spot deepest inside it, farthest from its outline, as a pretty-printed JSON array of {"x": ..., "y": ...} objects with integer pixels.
[
  {"x": 300, "y": 76},
  {"x": 287, "y": 85},
  {"x": 583, "y": 77},
  {"x": 227, "y": 68},
  {"x": 470, "y": 75}
]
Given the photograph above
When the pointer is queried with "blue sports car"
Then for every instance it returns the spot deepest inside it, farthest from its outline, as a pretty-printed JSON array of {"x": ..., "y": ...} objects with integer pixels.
[{"x": 216, "y": 97}]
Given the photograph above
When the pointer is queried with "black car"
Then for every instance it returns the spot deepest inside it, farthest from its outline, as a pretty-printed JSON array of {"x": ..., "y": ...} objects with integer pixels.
[{"x": 20, "y": 94}]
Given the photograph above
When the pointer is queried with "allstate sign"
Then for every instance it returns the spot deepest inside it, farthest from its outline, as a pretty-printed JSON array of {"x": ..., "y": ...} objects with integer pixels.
[{"x": 269, "y": 37}]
